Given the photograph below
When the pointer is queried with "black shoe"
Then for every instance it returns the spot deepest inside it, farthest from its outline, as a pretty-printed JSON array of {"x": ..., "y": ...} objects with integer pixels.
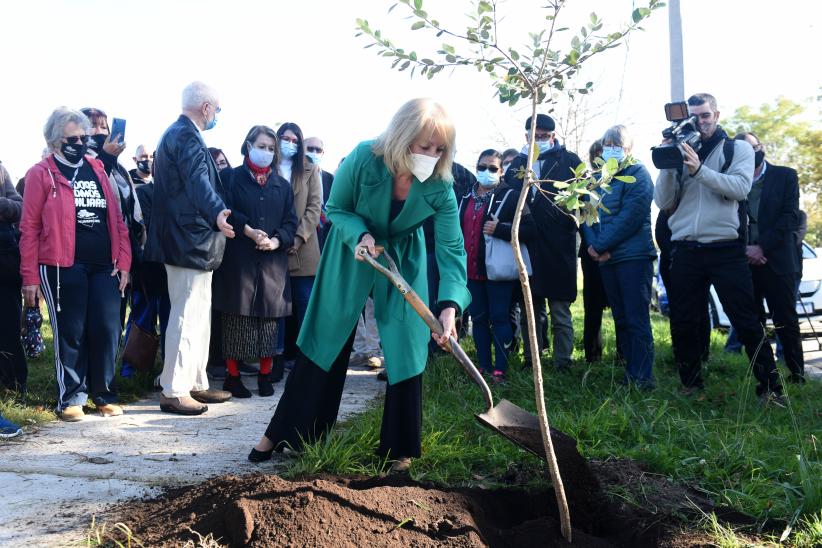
[
  {"x": 796, "y": 378},
  {"x": 236, "y": 387},
  {"x": 260, "y": 456},
  {"x": 382, "y": 376},
  {"x": 772, "y": 399},
  {"x": 264, "y": 386},
  {"x": 277, "y": 369}
]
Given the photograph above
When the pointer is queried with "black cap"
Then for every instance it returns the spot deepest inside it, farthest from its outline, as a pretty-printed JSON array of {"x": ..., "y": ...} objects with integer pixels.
[{"x": 543, "y": 122}]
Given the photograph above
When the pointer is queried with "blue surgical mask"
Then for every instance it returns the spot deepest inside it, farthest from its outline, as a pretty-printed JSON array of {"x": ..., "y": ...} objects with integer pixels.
[
  {"x": 288, "y": 149},
  {"x": 211, "y": 123},
  {"x": 545, "y": 146},
  {"x": 487, "y": 179},
  {"x": 260, "y": 157},
  {"x": 609, "y": 152},
  {"x": 314, "y": 157}
]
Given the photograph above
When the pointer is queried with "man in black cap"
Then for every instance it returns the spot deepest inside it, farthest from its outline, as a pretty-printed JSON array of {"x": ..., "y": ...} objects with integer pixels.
[{"x": 554, "y": 253}]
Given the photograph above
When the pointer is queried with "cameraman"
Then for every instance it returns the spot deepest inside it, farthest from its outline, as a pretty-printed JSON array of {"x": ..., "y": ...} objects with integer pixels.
[{"x": 702, "y": 199}]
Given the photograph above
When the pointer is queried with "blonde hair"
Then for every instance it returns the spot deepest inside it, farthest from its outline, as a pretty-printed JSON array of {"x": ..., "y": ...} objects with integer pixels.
[
  {"x": 416, "y": 118},
  {"x": 618, "y": 136}
]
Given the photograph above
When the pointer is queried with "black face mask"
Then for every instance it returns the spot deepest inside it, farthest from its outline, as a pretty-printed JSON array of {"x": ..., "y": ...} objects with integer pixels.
[
  {"x": 73, "y": 153},
  {"x": 143, "y": 166},
  {"x": 96, "y": 142},
  {"x": 759, "y": 157}
]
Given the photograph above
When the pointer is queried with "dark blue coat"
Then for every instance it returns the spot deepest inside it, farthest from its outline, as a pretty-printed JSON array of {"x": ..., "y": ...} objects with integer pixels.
[
  {"x": 554, "y": 247},
  {"x": 188, "y": 196},
  {"x": 778, "y": 217},
  {"x": 625, "y": 232}
]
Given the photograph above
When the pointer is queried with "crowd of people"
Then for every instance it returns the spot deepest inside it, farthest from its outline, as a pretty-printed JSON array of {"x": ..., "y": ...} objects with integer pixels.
[{"x": 257, "y": 269}]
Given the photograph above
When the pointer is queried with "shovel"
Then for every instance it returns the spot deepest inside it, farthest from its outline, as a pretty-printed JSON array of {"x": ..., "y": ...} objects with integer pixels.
[{"x": 507, "y": 419}]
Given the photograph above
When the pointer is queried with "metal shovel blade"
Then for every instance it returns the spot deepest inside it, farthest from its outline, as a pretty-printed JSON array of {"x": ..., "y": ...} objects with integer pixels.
[{"x": 516, "y": 424}]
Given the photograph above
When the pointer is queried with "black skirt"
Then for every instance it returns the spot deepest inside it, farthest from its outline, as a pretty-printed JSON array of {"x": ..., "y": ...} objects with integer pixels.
[
  {"x": 310, "y": 403},
  {"x": 248, "y": 338}
]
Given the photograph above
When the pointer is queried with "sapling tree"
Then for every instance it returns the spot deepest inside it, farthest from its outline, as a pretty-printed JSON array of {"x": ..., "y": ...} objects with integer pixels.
[{"x": 536, "y": 71}]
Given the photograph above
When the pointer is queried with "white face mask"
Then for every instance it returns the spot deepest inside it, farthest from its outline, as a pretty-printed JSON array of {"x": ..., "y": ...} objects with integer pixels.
[
  {"x": 423, "y": 166},
  {"x": 260, "y": 157}
]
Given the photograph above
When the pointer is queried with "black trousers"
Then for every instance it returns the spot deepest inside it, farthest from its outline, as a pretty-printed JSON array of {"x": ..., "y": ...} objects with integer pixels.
[
  {"x": 693, "y": 270},
  {"x": 780, "y": 292},
  {"x": 594, "y": 303},
  {"x": 13, "y": 367},
  {"x": 310, "y": 403},
  {"x": 705, "y": 320}
]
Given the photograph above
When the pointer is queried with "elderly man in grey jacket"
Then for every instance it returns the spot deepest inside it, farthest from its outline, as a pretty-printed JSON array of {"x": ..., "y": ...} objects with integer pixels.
[{"x": 703, "y": 200}]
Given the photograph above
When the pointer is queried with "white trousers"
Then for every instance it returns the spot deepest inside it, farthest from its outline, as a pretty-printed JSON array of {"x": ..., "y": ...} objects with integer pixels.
[
  {"x": 367, "y": 339},
  {"x": 188, "y": 333}
]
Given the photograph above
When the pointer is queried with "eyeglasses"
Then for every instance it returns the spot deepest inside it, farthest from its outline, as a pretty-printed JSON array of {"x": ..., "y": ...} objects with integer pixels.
[
  {"x": 290, "y": 139},
  {"x": 492, "y": 169},
  {"x": 317, "y": 150},
  {"x": 76, "y": 139}
]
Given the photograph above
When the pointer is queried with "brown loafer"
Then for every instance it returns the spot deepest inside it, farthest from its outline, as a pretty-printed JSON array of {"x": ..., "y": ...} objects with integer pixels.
[
  {"x": 211, "y": 395},
  {"x": 182, "y": 406},
  {"x": 110, "y": 410},
  {"x": 72, "y": 413}
]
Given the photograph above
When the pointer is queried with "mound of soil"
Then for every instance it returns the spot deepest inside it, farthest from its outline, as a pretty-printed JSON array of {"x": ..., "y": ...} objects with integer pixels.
[{"x": 262, "y": 510}]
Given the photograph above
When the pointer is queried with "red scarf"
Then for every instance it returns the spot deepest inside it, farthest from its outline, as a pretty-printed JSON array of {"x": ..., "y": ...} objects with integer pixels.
[{"x": 260, "y": 173}]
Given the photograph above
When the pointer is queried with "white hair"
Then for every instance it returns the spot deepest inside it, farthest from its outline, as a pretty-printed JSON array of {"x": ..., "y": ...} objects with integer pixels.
[
  {"x": 196, "y": 94},
  {"x": 59, "y": 119}
]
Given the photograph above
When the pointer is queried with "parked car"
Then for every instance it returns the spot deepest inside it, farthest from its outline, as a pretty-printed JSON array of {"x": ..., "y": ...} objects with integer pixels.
[{"x": 808, "y": 303}]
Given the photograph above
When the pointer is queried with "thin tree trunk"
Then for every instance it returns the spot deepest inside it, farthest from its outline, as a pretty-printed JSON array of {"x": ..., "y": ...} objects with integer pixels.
[{"x": 536, "y": 364}]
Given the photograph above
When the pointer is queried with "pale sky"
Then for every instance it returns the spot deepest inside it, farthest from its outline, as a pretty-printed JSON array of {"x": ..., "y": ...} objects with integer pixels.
[{"x": 299, "y": 61}]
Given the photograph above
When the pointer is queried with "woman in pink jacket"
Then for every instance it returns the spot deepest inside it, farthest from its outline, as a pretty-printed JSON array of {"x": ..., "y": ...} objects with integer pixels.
[{"x": 74, "y": 246}]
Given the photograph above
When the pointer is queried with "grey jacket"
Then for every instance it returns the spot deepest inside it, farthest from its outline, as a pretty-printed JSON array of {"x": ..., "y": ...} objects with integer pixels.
[{"x": 708, "y": 208}]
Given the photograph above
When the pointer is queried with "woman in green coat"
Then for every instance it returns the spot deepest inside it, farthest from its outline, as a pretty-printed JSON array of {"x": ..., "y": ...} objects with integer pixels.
[{"x": 382, "y": 193}]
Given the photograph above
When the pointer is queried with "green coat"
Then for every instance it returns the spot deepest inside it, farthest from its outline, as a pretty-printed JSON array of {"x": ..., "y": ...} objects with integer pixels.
[{"x": 360, "y": 202}]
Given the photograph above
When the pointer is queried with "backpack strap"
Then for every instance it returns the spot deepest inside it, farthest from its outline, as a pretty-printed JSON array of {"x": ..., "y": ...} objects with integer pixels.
[{"x": 728, "y": 153}]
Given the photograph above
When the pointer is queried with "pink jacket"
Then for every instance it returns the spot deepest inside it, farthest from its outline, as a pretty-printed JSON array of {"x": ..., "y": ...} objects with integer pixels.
[{"x": 48, "y": 224}]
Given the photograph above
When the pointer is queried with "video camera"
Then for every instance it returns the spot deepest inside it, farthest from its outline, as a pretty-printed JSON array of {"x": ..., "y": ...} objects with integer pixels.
[{"x": 685, "y": 129}]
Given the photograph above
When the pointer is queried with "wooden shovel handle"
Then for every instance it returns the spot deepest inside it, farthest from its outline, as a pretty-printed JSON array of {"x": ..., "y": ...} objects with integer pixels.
[{"x": 431, "y": 321}]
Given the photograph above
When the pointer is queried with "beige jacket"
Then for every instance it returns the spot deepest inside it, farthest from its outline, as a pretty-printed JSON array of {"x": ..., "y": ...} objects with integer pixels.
[{"x": 308, "y": 196}]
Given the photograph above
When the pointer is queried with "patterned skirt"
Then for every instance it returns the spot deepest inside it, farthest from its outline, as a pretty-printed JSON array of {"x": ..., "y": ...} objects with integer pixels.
[{"x": 248, "y": 338}]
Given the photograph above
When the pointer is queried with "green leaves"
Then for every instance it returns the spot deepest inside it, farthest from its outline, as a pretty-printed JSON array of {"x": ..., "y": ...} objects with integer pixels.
[
  {"x": 639, "y": 14},
  {"x": 535, "y": 72}
]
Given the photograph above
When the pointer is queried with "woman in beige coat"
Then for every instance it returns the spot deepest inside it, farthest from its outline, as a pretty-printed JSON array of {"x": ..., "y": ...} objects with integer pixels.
[{"x": 304, "y": 255}]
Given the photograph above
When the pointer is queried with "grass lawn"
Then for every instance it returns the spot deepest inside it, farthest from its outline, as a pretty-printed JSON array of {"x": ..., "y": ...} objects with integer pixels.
[{"x": 763, "y": 461}]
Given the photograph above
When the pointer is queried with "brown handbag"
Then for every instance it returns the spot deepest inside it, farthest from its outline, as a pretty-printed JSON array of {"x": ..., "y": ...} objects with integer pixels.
[{"x": 141, "y": 347}]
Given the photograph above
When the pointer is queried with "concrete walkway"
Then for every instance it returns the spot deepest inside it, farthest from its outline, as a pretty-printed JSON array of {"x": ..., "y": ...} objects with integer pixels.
[
  {"x": 813, "y": 360},
  {"x": 56, "y": 478}
]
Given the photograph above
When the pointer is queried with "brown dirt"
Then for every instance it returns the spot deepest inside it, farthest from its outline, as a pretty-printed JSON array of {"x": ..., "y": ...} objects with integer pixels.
[{"x": 263, "y": 510}]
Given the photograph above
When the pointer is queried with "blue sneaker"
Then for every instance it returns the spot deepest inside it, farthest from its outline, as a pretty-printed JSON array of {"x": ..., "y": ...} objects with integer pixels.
[{"x": 8, "y": 429}]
